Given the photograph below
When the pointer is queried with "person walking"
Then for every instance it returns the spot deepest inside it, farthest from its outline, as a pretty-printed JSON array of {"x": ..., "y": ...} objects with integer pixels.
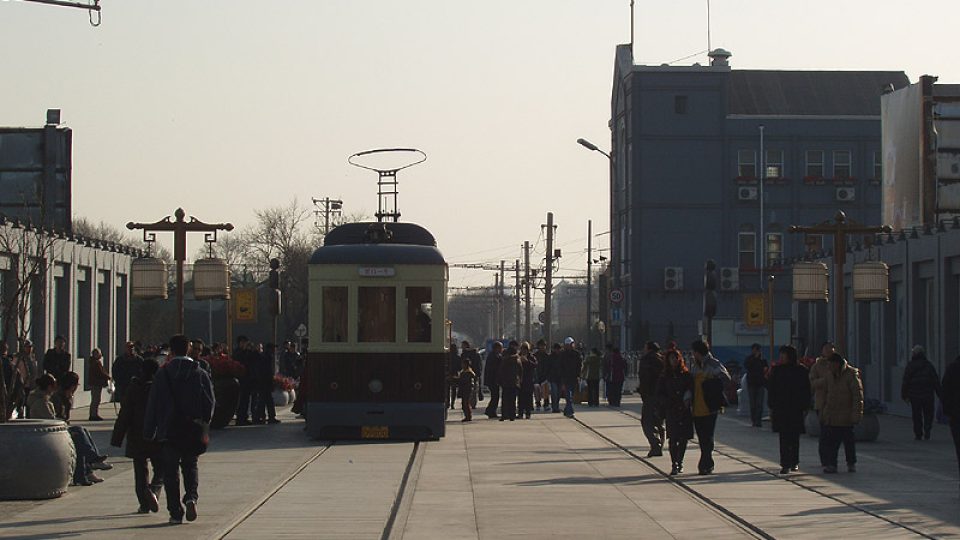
[
  {"x": 950, "y": 397},
  {"x": 98, "y": 379},
  {"x": 509, "y": 379},
  {"x": 921, "y": 384},
  {"x": 618, "y": 374},
  {"x": 541, "y": 392},
  {"x": 571, "y": 365},
  {"x": 491, "y": 377},
  {"x": 819, "y": 373},
  {"x": 756, "y": 367},
  {"x": 528, "y": 364},
  {"x": 56, "y": 361},
  {"x": 709, "y": 378},
  {"x": 553, "y": 376},
  {"x": 673, "y": 391},
  {"x": 127, "y": 366},
  {"x": 290, "y": 360},
  {"x": 249, "y": 358},
  {"x": 789, "y": 398},
  {"x": 264, "y": 409},
  {"x": 145, "y": 454},
  {"x": 591, "y": 373},
  {"x": 179, "y": 407},
  {"x": 466, "y": 386},
  {"x": 453, "y": 368},
  {"x": 842, "y": 410},
  {"x": 649, "y": 369}
]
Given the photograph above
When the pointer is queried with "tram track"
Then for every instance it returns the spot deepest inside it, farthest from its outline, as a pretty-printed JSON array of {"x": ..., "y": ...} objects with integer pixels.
[{"x": 785, "y": 478}]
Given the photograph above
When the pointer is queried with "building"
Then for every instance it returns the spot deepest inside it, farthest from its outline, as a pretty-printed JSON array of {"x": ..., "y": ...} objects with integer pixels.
[{"x": 689, "y": 145}]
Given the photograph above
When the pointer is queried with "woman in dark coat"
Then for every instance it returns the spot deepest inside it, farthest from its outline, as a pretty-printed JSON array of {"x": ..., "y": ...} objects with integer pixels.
[
  {"x": 675, "y": 394},
  {"x": 528, "y": 363},
  {"x": 788, "y": 397},
  {"x": 264, "y": 410},
  {"x": 129, "y": 425}
]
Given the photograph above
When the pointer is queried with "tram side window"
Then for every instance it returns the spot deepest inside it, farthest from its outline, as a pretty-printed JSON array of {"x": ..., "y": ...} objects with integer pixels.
[
  {"x": 334, "y": 314},
  {"x": 377, "y": 315},
  {"x": 419, "y": 306}
]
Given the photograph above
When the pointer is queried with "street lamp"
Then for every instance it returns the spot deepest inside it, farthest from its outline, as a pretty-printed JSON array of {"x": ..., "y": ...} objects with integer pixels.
[{"x": 592, "y": 147}]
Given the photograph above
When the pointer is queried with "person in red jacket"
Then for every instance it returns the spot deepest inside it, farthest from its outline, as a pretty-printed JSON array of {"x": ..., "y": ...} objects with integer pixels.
[{"x": 98, "y": 379}]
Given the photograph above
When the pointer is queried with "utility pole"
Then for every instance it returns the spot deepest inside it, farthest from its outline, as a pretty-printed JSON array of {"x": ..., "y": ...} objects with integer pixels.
[
  {"x": 528, "y": 330},
  {"x": 327, "y": 208},
  {"x": 548, "y": 282},
  {"x": 589, "y": 334},
  {"x": 518, "y": 334},
  {"x": 501, "y": 318}
]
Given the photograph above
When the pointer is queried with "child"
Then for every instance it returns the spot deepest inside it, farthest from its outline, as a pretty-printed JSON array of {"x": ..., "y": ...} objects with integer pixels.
[{"x": 467, "y": 385}]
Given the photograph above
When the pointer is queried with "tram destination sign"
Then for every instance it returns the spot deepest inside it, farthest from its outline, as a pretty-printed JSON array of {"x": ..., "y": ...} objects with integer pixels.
[{"x": 377, "y": 271}]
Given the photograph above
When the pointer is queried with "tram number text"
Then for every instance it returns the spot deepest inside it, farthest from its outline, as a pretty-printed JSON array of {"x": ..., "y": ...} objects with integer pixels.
[
  {"x": 374, "y": 432},
  {"x": 371, "y": 271}
]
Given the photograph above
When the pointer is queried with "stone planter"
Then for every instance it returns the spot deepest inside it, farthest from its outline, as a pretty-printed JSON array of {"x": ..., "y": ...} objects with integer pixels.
[
  {"x": 811, "y": 423},
  {"x": 280, "y": 398},
  {"x": 868, "y": 429},
  {"x": 226, "y": 391},
  {"x": 38, "y": 459}
]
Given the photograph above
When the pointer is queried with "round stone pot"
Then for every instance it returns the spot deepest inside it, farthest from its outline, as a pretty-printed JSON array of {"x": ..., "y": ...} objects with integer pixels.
[
  {"x": 868, "y": 429},
  {"x": 811, "y": 423},
  {"x": 226, "y": 391},
  {"x": 38, "y": 459},
  {"x": 280, "y": 398}
]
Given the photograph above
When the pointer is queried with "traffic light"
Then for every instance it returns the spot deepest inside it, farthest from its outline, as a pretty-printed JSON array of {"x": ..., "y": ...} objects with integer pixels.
[{"x": 710, "y": 289}]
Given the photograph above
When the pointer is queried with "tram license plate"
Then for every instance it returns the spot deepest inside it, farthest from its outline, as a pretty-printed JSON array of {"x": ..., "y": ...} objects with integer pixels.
[{"x": 374, "y": 432}]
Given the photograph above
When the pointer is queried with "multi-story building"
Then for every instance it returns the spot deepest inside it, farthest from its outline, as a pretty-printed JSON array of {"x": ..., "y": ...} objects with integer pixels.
[{"x": 709, "y": 162}]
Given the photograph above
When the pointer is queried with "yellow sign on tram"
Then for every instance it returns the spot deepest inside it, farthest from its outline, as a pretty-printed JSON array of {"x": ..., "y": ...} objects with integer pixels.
[{"x": 755, "y": 309}]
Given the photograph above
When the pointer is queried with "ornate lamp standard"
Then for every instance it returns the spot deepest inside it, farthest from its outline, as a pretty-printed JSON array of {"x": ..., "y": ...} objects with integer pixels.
[{"x": 180, "y": 228}]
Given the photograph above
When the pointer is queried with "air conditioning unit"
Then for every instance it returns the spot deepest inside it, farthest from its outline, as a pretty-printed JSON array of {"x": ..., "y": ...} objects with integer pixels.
[
  {"x": 846, "y": 194},
  {"x": 673, "y": 278},
  {"x": 747, "y": 193},
  {"x": 730, "y": 279}
]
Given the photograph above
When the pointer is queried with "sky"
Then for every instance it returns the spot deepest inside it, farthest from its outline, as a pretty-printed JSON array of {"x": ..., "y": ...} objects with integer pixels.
[{"x": 226, "y": 106}]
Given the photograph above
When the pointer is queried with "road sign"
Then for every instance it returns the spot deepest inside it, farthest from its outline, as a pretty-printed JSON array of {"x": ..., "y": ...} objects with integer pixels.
[
  {"x": 754, "y": 309},
  {"x": 616, "y": 295},
  {"x": 245, "y": 303},
  {"x": 301, "y": 331},
  {"x": 542, "y": 317}
]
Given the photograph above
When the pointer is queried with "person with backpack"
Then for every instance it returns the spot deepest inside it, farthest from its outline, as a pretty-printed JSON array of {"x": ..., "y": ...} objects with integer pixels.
[
  {"x": 709, "y": 378},
  {"x": 921, "y": 384},
  {"x": 178, "y": 415}
]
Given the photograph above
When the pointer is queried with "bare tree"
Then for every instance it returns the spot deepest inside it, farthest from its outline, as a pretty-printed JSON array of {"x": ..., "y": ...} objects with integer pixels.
[{"x": 30, "y": 252}]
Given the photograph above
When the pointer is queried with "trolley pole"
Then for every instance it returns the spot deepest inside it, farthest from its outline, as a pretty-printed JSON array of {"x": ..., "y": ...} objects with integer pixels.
[
  {"x": 528, "y": 331},
  {"x": 548, "y": 283},
  {"x": 502, "y": 322},
  {"x": 518, "y": 334},
  {"x": 589, "y": 334}
]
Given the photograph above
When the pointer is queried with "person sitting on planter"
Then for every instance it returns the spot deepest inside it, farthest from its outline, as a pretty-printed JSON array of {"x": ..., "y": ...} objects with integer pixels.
[
  {"x": 842, "y": 410},
  {"x": 129, "y": 425},
  {"x": 788, "y": 398},
  {"x": 920, "y": 384},
  {"x": 38, "y": 402}
]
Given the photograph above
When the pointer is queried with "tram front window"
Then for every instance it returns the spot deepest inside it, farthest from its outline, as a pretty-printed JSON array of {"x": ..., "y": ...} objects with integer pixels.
[
  {"x": 419, "y": 304},
  {"x": 334, "y": 314},
  {"x": 377, "y": 315}
]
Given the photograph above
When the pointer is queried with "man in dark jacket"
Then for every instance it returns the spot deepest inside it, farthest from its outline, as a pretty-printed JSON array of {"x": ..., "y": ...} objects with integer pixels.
[
  {"x": 789, "y": 399},
  {"x": 246, "y": 355},
  {"x": 469, "y": 353},
  {"x": 554, "y": 377},
  {"x": 491, "y": 374},
  {"x": 56, "y": 361},
  {"x": 182, "y": 394},
  {"x": 920, "y": 383},
  {"x": 510, "y": 372},
  {"x": 263, "y": 408},
  {"x": 756, "y": 367},
  {"x": 129, "y": 426},
  {"x": 125, "y": 367},
  {"x": 453, "y": 368},
  {"x": 649, "y": 370},
  {"x": 571, "y": 363},
  {"x": 950, "y": 396}
]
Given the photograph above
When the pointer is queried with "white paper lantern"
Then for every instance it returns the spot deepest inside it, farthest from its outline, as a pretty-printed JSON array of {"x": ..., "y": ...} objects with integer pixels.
[
  {"x": 148, "y": 278},
  {"x": 811, "y": 282},
  {"x": 870, "y": 281},
  {"x": 211, "y": 279}
]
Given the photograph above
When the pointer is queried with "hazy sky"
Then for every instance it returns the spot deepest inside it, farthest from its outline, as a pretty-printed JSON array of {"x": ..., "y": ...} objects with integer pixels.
[{"x": 224, "y": 106}]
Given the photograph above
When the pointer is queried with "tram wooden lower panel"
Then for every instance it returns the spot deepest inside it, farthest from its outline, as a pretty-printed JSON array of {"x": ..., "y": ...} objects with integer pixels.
[{"x": 405, "y": 377}]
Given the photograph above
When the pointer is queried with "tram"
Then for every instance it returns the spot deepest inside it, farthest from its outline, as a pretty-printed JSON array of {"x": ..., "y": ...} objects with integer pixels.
[{"x": 376, "y": 356}]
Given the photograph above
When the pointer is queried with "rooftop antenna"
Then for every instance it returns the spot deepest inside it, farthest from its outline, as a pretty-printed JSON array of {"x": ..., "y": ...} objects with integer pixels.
[
  {"x": 709, "y": 47},
  {"x": 387, "y": 182},
  {"x": 631, "y": 27}
]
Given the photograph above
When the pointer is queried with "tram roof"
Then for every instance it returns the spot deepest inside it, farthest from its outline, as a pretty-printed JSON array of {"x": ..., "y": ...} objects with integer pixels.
[
  {"x": 351, "y": 243},
  {"x": 402, "y": 233}
]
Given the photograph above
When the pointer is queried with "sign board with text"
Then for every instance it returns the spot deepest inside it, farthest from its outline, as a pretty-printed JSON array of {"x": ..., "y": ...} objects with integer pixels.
[
  {"x": 245, "y": 305},
  {"x": 754, "y": 309}
]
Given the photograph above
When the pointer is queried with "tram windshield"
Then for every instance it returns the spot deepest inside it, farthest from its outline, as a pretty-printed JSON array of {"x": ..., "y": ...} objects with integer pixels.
[
  {"x": 377, "y": 315},
  {"x": 419, "y": 307}
]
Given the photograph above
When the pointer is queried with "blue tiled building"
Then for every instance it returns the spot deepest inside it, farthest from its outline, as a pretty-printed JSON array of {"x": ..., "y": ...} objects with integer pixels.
[{"x": 685, "y": 181}]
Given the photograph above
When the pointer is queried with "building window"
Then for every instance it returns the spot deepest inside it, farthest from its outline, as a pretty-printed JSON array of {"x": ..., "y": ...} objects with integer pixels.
[
  {"x": 877, "y": 167},
  {"x": 334, "y": 314},
  {"x": 813, "y": 243},
  {"x": 680, "y": 104},
  {"x": 419, "y": 311},
  {"x": 747, "y": 164},
  {"x": 774, "y": 164},
  {"x": 841, "y": 164},
  {"x": 814, "y": 164},
  {"x": 747, "y": 245},
  {"x": 774, "y": 248},
  {"x": 377, "y": 315}
]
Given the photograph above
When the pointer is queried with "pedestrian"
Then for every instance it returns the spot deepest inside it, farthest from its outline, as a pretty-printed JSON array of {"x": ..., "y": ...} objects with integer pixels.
[
  {"x": 649, "y": 369},
  {"x": 453, "y": 368},
  {"x": 126, "y": 366},
  {"x": 11, "y": 379},
  {"x": 88, "y": 456},
  {"x": 819, "y": 373},
  {"x": 491, "y": 377},
  {"x": 921, "y": 384},
  {"x": 509, "y": 376},
  {"x": 542, "y": 388},
  {"x": 178, "y": 416},
  {"x": 591, "y": 373},
  {"x": 528, "y": 377},
  {"x": 709, "y": 378},
  {"x": 466, "y": 386},
  {"x": 950, "y": 397},
  {"x": 756, "y": 367},
  {"x": 673, "y": 391},
  {"x": 571, "y": 364},
  {"x": 789, "y": 399},
  {"x": 842, "y": 410},
  {"x": 290, "y": 360},
  {"x": 97, "y": 379},
  {"x": 247, "y": 355},
  {"x": 263, "y": 408},
  {"x": 56, "y": 361},
  {"x": 471, "y": 354},
  {"x": 145, "y": 454},
  {"x": 605, "y": 368},
  {"x": 554, "y": 376},
  {"x": 26, "y": 363},
  {"x": 618, "y": 373}
]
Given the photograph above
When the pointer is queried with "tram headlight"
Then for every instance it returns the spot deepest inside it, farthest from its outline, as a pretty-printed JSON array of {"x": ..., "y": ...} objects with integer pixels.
[
  {"x": 375, "y": 386},
  {"x": 417, "y": 386},
  {"x": 334, "y": 386}
]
